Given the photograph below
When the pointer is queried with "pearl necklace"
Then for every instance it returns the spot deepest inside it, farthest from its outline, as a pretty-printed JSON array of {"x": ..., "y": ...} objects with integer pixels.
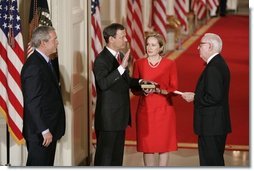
[{"x": 154, "y": 65}]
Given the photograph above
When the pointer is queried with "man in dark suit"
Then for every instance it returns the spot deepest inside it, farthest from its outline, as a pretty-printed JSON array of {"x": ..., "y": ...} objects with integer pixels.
[
  {"x": 211, "y": 103},
  {"x": 44, "y": 115},
  {"x": 112, "y": 113}
]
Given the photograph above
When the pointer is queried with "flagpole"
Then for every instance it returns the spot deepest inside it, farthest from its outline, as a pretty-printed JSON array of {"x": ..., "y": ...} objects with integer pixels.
[{"x": 7, "y": 146}]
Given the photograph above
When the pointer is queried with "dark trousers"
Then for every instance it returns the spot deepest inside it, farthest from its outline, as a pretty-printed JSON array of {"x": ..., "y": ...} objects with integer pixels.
[
  {"x": 211, "y": 150},
  {"x": 39, "y": 155},
  {"x": 109, "y": 148},
  {"x": 223, "y": 7}
]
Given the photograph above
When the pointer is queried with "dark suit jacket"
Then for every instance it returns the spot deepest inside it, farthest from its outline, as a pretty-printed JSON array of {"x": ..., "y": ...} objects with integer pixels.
[
  {"x": 211, "y": 104},
  {"x": 113, "y": 102},
  {"x": 43, "y": 104}
]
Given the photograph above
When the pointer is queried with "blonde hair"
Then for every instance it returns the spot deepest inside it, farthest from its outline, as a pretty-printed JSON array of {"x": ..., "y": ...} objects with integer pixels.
[{"x": 158, "y": 37}]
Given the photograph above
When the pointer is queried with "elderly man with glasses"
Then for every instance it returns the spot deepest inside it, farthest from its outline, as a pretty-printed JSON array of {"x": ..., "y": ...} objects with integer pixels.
[{"x": 211, "y": 103}]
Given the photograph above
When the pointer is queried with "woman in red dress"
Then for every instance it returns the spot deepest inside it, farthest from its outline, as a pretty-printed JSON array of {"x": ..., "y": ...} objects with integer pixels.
[{"x": 156, "y": 120}]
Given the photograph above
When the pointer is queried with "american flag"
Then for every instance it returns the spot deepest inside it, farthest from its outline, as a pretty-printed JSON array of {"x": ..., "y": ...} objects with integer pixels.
[
  {"x": 181, "y": 13},
  {"x": 96, "y": 34},
  {"x": 199, "y": 8},
  {"x": 159, "y": 17},
  {"x": 212, "y": 5},
  {"x": 135, "y": 33},
  {"x": 11, "y": 62}
]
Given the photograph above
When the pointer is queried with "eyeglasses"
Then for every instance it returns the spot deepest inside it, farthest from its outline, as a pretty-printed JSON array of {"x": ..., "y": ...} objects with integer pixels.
[{"x": 203, "y": 43}]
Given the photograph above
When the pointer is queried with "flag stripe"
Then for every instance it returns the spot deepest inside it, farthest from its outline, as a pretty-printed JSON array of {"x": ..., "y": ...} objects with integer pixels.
[
  {"x": 11, "y": 93},
  {"x": 199, "y": 7},
  {"x": 14, "y": 119},
  {"x": 11, "y": 62},
  {"x": 11, "y": 57},
  {"x": 159, "y": 17},
  {"x": 9, "y": 96},
  {"x": 181, "y": 13},
  {"x": 12, "y": 122},
  {"x": 96, "y": 42},
  {"x": 13, "y": 77},
  {"x": 128, "y": 20},
  {"x": 135, "y": 33},
  {"x": 212, "y": 5}
]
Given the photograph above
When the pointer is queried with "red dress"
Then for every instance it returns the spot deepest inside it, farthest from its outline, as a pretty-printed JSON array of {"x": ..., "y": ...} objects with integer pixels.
[{"x": 156, "y": 120}]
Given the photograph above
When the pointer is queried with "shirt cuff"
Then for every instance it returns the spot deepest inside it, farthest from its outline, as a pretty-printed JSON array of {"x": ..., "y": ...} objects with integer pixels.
[
  {"x": 44, "y": 132},
  {"x": 121, "y": 69}
]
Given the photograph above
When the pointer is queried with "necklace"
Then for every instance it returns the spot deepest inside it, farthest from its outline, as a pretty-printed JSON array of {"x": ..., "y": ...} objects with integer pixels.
[{"x": 155, "y": 64}]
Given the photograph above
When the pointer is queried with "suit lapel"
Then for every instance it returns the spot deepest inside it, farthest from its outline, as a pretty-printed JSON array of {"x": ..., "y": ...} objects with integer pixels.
[
  {"x": 46, "y": 67},
  {"x": 208, "y": 65}
]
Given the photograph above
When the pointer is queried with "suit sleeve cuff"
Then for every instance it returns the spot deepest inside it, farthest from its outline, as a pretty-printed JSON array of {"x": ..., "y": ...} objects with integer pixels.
[{"x": 121, "y": 69}]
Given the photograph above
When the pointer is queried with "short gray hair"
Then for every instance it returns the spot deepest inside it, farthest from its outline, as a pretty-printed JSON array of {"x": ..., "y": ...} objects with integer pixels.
[
  {"x": 215, "y": 40},
  {"x": 41, "y": 33}
]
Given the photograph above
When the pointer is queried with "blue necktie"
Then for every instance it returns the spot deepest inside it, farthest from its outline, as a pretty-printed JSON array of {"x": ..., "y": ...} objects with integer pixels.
[{"x": 52, "y": 69}]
